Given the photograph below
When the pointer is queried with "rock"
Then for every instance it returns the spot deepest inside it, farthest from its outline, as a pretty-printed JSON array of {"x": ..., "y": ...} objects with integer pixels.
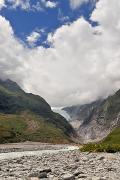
[
  {"x": 47, "y": 170},
  {"x": 82, "y": 176},
  {"x": 111, "y": 169},
  {"x": 43, "y": 175},
  {"x": 84, "y": 159},
  {"x": 76, "y": 160},
  {"x": 38, "y": 175},
  {"x": 73, "y": 166},
  {"x": 101, "y": 158},
  {"x": 62, "y": 166},
  {"x": 68, "y": 177},
  {"x": 33, "y": 178},
  {"x": 76, "y": 173},
  {"x": 96, "y": 178}
]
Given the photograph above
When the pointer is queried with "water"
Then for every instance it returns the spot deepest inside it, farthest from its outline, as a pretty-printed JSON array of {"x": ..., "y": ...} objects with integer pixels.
[{"x": 13, "y": 155}]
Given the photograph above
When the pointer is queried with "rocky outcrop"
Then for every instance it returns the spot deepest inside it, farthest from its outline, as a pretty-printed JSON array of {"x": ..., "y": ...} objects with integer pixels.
[{"x": 97, "y": 119}]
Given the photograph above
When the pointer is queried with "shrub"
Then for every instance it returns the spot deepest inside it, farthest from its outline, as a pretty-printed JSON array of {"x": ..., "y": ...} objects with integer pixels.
[{"x": 109, "y": 148}]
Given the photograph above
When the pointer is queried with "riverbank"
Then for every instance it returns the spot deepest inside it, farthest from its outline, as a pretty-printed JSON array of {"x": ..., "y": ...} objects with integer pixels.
[
  {"x": 60, "y": 164},
  {"x": 31, "y": 146}
]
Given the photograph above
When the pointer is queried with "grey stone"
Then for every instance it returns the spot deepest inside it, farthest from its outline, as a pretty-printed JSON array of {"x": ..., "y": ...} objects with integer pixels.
[
  {"x": 39, "y": 175},
  {"x": 82, "y": 176},
  {"x": 95, "y": 178},
  {"x": 77, "y": 160},
  {"x": 43, "y": 175},
  {"x": 76, "y": 173},
  {"x": 32, "y": 178},
  {"x": 68, "y": 177},
  {"x": 101, "y": 158},
  {"x": 62, "y": 166},
  {"x": 47, "y": 170}
]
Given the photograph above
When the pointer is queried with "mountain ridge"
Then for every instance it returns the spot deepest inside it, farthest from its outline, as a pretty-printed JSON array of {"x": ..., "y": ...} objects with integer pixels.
[
  {"x": 36, "y": 112},
  {"x": 97, "y": 119}
]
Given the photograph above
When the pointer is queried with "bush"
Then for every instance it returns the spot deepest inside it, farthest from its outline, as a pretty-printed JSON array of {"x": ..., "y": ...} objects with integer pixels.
[{"x": 109, "y": 148}]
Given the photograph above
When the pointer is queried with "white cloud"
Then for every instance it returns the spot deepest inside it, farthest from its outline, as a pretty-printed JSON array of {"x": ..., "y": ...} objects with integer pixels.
[
  {"x": 62, "y": 18},
  {"x": 77, "y": 3},
  {"x": 49, "y": 4},
  {"x": 74, "y": 4},
  {"x": 2, "y": 4},
  {"x": 37, "y": 7},
  {"x": 27, "y": 5},
  {"x": 23, "y": 4},
  {"x": 82, "y": 65},
  {"x": 12, "y": 64},
  {"x": 33, "y": 38}
]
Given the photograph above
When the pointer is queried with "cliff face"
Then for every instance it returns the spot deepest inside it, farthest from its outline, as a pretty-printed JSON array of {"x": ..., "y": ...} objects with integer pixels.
[{"x": 97, "y": 119}]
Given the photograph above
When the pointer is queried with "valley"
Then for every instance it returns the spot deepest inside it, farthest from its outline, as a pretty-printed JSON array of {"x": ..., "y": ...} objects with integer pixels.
[
  {"x": 59, "y": 90},
  {"x": 96, "y": 120},
  {"x": 40, "y": 142}
]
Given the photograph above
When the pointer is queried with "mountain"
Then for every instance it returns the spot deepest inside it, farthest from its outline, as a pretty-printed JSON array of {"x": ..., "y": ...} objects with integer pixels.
[
  {"x": 61, "y": 112},
  {"x": 97, "y": 119},
  {"x": 25, "y": 116}
]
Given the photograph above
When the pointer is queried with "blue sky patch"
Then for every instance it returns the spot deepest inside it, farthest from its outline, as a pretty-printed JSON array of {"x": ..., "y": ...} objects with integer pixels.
[{"x": 44, "y": 20}]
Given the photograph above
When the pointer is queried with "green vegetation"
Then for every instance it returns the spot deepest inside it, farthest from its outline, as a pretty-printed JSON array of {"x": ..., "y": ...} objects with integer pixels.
[
  {"x": 113, "y": 137},
  {"x": 24, "y": 116},
  {"x": 109, "y": 148},
  {"x": 29, "y": 127},
  {"x": 110, "y": 144},
  {"x": 14, "y": 100}
]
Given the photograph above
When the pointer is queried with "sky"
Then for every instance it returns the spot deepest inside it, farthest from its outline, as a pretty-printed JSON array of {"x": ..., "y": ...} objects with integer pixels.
[{"x": 66, "y": 51}]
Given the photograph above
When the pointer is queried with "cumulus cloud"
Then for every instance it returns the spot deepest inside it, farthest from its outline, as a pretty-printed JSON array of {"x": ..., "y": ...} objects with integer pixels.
[
  {"x": 27, "y": 5},
  {"x": 33, "y": 38},
  {"x": 2, "y": 4},
  {"x": 82, "y": 64},
  {"x": 12, "y": 56},
  {"x": 49, "y": 4},
  {"x": 74, "y": 4},
  {"x": 41, "y": 5},
  {"x": 77, "y": 3},
  {"x": 23, "y": 4}
]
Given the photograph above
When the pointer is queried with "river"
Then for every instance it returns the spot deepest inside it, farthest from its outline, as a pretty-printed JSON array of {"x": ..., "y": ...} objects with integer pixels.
[{"x": 12, "y": 155}]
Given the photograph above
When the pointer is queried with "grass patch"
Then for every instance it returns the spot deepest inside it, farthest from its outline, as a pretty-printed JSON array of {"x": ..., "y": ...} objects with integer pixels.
[
  {"x": 16, "y": 128},
  {"x": 109, "y": 148},
  {"x": 113, "y": 137}
]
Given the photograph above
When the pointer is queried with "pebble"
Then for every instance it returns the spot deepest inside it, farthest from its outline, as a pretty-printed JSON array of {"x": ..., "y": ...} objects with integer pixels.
[
  {"x": 70, "y": 165},
  {"x": 68, "y": 177}
]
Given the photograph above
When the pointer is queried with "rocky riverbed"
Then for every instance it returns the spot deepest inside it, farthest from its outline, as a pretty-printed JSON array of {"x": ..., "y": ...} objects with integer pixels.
[
  {"x": 62, "y": 165},
  {"x": 29, "y": 146}
]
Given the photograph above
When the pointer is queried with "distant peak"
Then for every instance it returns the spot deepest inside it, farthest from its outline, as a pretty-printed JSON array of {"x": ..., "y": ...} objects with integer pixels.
[{"x": 10, "y": 85}]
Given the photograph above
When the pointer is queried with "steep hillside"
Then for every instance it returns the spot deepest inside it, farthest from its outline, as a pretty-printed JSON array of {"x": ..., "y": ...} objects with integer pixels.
[
  {"x": 113, "y": 137},
  {"x": 13, "y": 100},
  {"x": 110, "y": 144},
  {"x": 24, "y": 116},
  {"x": 97, "y": 119},
  {"x": 82, "y": 113}
]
